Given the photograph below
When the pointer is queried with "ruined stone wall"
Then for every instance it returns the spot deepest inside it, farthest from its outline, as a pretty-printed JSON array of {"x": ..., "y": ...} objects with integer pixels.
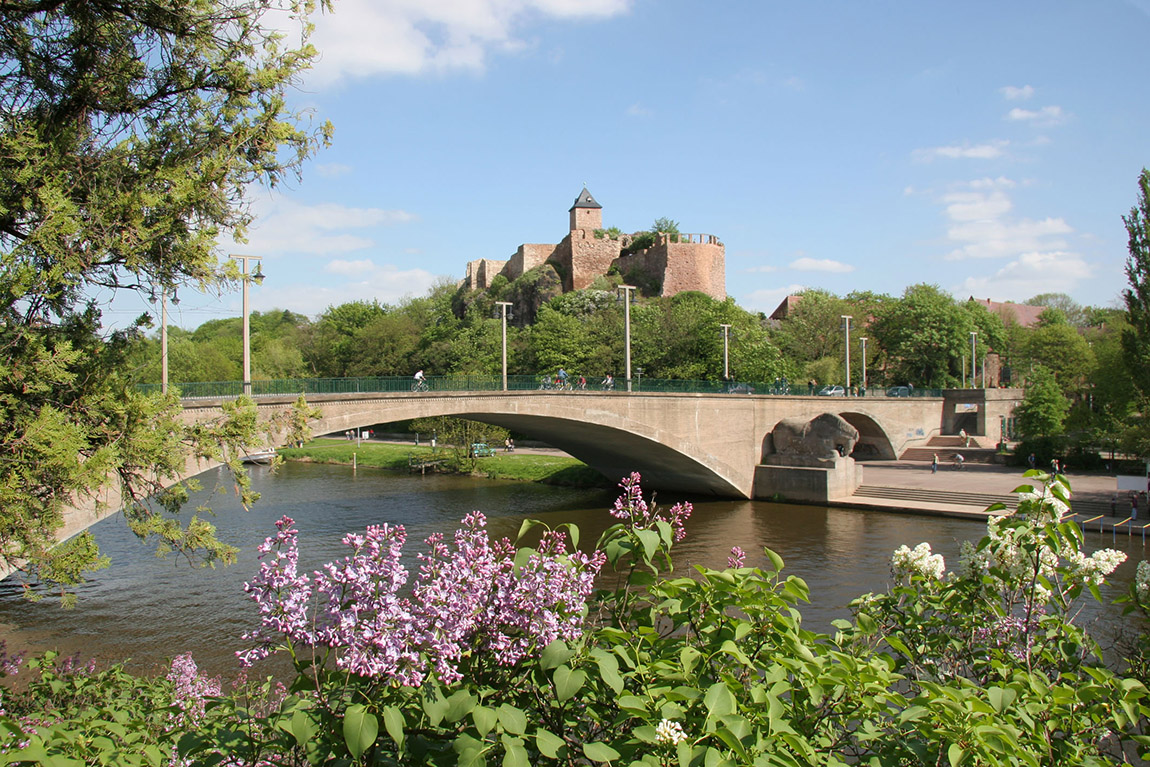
[
  {"x": 588, "y": 258},
  {"x": 482, "y": 271},
  {"x": 527, "y": 258},
  {"x": 695, "y": 266},
  {"x": 696, "y": 262}
]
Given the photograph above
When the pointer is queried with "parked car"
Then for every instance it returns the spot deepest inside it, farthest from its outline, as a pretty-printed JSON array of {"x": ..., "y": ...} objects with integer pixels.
[
  {"x": 898, "y": 391},
  {"x": 481, "y": 450},
  {"x": 832, "y": 391}
]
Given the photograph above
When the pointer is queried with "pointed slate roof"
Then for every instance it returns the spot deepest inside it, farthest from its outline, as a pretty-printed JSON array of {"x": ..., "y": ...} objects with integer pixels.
[{"x": 585, "y": 200}]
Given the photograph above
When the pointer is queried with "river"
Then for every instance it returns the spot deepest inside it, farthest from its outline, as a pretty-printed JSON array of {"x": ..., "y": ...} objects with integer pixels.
[{"x": 146, "y": 609}]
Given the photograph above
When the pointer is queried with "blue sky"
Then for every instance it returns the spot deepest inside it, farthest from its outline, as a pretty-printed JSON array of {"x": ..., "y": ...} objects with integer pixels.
[{"x": 987, "y": 147}]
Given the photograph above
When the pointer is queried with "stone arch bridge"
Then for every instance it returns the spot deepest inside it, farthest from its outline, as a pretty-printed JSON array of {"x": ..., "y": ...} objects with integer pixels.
[{"x": 698, "y": 443}]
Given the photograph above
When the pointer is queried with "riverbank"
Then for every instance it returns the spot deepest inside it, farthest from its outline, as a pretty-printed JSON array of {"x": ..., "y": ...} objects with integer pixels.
[{"x": 546, "y": 467}]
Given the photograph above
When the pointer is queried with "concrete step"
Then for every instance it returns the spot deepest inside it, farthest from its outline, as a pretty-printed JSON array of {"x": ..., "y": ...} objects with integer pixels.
[
  {"x": 946, "y": 455},
  {"x": 1082, "y": 509}
]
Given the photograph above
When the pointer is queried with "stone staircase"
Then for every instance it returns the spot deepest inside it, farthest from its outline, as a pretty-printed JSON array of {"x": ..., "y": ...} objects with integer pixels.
[{"x": 947, "y": 446}]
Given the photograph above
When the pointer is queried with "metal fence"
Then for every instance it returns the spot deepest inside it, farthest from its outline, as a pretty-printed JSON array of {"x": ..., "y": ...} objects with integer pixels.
[{"x": 481, "y": 383}]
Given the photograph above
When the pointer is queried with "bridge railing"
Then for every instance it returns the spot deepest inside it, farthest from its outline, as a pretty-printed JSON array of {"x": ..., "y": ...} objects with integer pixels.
[{"x": 465, "y": 383}]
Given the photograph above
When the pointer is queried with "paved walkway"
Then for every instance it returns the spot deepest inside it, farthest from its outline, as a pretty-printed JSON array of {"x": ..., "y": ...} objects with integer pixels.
[{"x": 910, "y": 486}]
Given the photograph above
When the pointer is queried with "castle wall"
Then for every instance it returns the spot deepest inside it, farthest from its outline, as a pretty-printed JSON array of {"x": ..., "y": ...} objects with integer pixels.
[
  {"x": 527, "y": 258},
  {"x": 696, "y": 262},
  {"x": 482, "y": 271},
  {"x": 584, "y": 257},
  {"x": 586, "y": 218}
]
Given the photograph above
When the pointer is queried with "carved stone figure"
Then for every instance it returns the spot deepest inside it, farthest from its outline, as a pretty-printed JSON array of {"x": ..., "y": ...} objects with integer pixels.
[{"x": 824, "y": 436}]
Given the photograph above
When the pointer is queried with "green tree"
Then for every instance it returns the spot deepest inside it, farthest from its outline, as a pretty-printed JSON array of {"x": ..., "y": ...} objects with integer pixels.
[
  {"x": 1136, "y": 338},
  {"x": 814, "y": 329},
  {"x": 129, "y": 133},
  {"x": 925, "y": 335},
  {"x": 1043, "y": 409},
  {"x": 1076, "y": 314},
  {"x": 1059, "y": 347}
]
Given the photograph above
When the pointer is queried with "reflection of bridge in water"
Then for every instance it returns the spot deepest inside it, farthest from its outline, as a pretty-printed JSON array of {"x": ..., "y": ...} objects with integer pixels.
[{"x": 698, "y": 442}]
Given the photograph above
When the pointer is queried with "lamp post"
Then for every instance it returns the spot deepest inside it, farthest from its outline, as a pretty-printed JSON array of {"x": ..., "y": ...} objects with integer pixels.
[
  {"x": 973, "y": 359},
  {"x": 847, "y": 324},
  {"x": 627, "y": 328},
  {"x": 726, "y": 348},
  {"x": 503, "y": 308},
  {"x": 864, "y": 339},
  {"x": 164, "y": 342},
  {"x": 258, "y": 277}
]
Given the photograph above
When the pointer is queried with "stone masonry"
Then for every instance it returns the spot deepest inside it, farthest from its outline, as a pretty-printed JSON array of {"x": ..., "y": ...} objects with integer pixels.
[{"x": 674, "y": 264}]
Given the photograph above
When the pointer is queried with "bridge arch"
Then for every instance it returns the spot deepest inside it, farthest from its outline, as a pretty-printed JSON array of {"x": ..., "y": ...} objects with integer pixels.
[{"x": 874, "y": 443}]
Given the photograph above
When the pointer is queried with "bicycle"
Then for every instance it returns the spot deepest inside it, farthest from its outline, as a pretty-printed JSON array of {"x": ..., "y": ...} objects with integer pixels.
[{"x": 419, "y": 385}]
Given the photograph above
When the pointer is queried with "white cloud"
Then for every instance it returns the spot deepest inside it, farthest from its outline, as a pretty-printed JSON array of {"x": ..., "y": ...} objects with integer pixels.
[
  {"x": 286, "y": 226},
  {"x": 638, "y": 110},
  {"x": 365, "y": 38},
  {"x": 762, "y": 269},
  {"x": 386, "y": 284},
  {"x": 976, "y": 205},
  {"x": 1051, "y": 115},
  {"x": 1013, "y": 93},
  {"x": 987, "y": 151},
  {"x": 992, "y": 238},
  {"x": 820, "y": 265},
  {"x": 1030, "y": 274},
  {"x": 339, "y": 266}
]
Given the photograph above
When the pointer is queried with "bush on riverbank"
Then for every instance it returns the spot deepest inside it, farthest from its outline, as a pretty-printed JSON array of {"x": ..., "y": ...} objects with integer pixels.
[
  {"x": 523, "y": 467},
  {"x": 504, "y": 656}
]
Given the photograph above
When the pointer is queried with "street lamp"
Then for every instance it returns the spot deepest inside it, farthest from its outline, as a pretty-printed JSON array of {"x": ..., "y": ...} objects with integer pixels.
[
  {"x": 258, "y": 277},
  {"x": 639, "y": 385},
  {"x": 503, "y": 307},
  {"x": 627, "y": 328},
  {"x": 973, "y": 359},
  {"x": 847, "y": 324},
  {"x": 726, "y": 347},
  {"x": 864, "y": 339}
]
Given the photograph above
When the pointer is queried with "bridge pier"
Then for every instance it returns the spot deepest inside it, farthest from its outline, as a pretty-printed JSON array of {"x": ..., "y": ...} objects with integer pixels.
[{"x": 812, "y": 480}]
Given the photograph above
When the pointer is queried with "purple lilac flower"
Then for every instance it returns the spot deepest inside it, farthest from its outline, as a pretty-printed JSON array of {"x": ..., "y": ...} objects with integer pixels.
[
  {"x": 282, "y": 594},
  {"x": 9, "y": 664},
  {"x": 191, "y": 689},
  {"x": 631, "y": 507},
  {"x": 737, "y": 558}
]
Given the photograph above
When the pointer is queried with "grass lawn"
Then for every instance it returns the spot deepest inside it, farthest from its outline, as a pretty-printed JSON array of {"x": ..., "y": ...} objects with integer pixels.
[{"x": 548, "y": 469}]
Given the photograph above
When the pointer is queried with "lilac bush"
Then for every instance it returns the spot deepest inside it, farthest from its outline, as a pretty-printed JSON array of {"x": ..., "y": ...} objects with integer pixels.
[{"x": 470, "y": 596}]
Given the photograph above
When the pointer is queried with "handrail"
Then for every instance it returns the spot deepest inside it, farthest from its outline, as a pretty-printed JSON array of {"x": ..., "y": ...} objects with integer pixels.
[{"x": 494, "y": 383}]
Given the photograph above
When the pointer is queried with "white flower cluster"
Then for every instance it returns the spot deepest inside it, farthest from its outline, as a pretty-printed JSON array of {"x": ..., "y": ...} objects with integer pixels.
[
  {"x": 670, "y": 732},
  {"x": 1093, "y": 569},
  {"x": 1008, "y": 557},
  {"x": 1142, "y": 582},
  {"x": 1042, "y": 506},
  {"x": 906, "y": 562}
]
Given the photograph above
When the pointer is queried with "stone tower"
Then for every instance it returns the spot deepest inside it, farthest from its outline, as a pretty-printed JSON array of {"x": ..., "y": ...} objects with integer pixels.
[{"x": 586, "y": 214}]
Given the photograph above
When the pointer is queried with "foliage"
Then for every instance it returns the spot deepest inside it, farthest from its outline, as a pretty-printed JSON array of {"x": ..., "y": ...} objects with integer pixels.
[
  {"x": 1043, "y": 408},
  {"x": 1136, "y": 338},
  {"x": 457, "y": 435},
  {"x": 499, "y": 654},
  {"x": 128, "y": 138},
  {"x": 1060, "y": 348},
  {"x": 926, "y": 335}
]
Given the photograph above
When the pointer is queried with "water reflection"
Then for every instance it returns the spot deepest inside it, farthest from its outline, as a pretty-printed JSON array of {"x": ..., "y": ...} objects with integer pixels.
[{"x": 149, "y": 609}]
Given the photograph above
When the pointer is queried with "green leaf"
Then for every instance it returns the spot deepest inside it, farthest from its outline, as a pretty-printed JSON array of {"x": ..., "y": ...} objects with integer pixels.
[
  {"x": 568, "y": 682},
  {"x": 485, "y": 719},
  {"x": 650, "y": 541},
  {"x": 303, "y": 727},
  {"x": 360, "y": 729},
  {"x": 459, "y": 705},
  {"x": 600, "y": 752},
  {"x": 394, "y": 723},
  {"x": 776, "y": 560},
  {"x": 549, "y": 744},
  {"x": 719, "y": 702},
  {"x": 512, "y": 719},
  {"x": 555, "y": 654},
  {"x": 1000, "y": 697},
  {"x": 609, "y": 670},
  {"x": 514, "y": 754},
  {"x": 956, "y": 754}
]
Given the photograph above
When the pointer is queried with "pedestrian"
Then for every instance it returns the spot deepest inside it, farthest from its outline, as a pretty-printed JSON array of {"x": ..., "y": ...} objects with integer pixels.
[
  {"x": 417, "y": 439},
  {"x": 811, "y": 386},
  {"x": 934, "y": 465},
  {"x": 1114, "y": 504},
  {"x": 1053, "y": 465},
  {"x": 1030, "y": 459},
  {"x": 1134, "y": 506},
  {"x": 958, "y": 459}
]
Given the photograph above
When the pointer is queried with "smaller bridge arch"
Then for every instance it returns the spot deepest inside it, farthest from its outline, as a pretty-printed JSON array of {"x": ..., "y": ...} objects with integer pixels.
[{"x": 874, "y": 442}]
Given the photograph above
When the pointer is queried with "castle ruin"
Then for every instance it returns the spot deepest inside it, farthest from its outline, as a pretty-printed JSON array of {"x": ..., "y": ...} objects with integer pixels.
[{"x": 674, "y": 263}]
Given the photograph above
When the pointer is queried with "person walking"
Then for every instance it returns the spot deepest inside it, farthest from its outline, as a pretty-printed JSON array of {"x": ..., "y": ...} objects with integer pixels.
[
  {"x": 934, "y": 465},
  {"x": 1134, "y": 506},
  {"x": 958, "y": 459}
]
